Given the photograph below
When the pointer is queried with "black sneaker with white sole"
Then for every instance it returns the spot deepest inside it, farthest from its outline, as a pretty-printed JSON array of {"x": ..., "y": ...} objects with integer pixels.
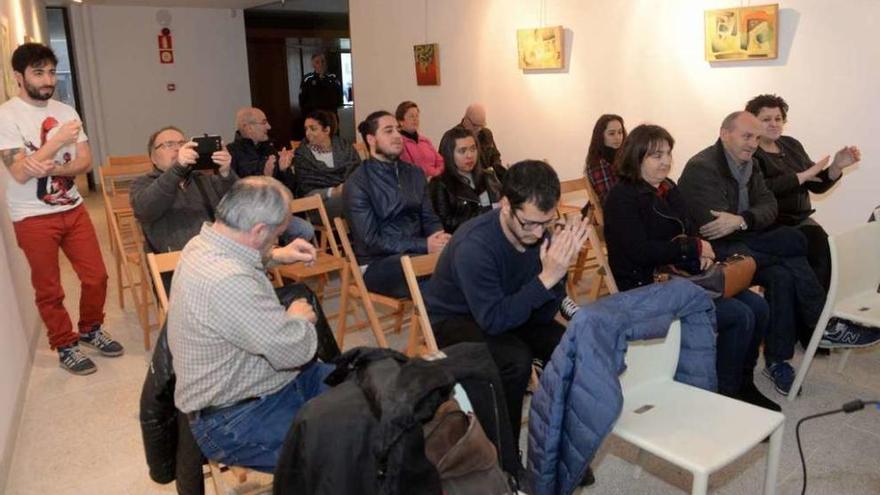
[
  {"x": 102, "y": 342},
  {"x": 73, "y": 360},
  {"x": 568, "y": 308}
]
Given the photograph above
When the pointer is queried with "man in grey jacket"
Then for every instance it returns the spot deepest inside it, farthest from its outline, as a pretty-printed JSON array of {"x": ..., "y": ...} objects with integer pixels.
[
  {"x": 172, "y": 202},
  {"x": 728, "y": 198}
]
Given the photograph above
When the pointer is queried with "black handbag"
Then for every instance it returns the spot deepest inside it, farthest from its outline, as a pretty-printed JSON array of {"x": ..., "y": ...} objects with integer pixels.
[{"x": 328, "y": 350}]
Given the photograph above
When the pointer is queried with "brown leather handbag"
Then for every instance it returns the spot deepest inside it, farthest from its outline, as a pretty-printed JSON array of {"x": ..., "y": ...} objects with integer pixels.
[
  {"x": 723, "y": 279},
  {"x": 466, "y": 459}
]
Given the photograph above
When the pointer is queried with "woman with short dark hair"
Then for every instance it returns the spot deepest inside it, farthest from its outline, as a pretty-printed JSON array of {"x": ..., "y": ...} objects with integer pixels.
[
  {"x": 417, "y": 148},
  {"x": 464, "y": 190},
  {"x": 323, "y": 161},
  {"x": 647, "y": 227},
  {"x": 792, "y": 175}
]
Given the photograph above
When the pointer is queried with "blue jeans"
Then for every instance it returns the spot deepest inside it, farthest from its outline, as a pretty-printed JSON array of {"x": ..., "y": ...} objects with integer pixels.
[
  {"x": 298, "y": 228},
  {"x": 252, "y": 434},
  {"x": 742, "y": 324}
]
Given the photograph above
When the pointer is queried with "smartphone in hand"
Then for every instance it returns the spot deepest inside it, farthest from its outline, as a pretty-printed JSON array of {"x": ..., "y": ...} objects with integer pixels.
[{"x": 206, "y": 145}]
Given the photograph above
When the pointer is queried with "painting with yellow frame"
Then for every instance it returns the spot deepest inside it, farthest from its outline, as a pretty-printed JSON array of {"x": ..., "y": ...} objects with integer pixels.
[
  {"x": 540, "y": 48},
  {"x": 8, "y": 86},
  {"x": 742, "y": 33}
]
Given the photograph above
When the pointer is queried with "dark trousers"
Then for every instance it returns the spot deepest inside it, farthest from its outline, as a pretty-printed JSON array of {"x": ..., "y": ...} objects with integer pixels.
[
  {"x": 385, "y": 276},
  {"x": 779, "y": 291},
  {"x": 818, "y": 251},
  {"x": 742, "y": 323},
  {"x": 512, "y": 351}
]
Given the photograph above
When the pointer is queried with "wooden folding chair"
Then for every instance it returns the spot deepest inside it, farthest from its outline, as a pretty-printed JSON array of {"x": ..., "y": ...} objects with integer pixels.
[
  {"x": 358, "y": 290},
  {"x": 569, "y": 187},
  {"x": 362, "y": 150},
  {"x": 115, "y": 179},
  {"x": 420, "y": 326},
  {"x": 158, "y": 264},
  {"x": 129, "y": 254},
  {"x": 324, "y": 265}
]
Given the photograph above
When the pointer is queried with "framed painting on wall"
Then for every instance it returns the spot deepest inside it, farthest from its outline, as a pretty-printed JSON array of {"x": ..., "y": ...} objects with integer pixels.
[
  {"x": 540, "y": 48},
  {"x": 742, "y": 33},
  {"x": 427, "y": 58},
  {"x": 8, "y": 87}
]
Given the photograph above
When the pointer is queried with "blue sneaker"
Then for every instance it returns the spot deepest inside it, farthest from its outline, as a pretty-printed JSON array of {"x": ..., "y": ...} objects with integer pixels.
[
  {"x": 73, "y": 360},
  {"x": 100, "y": 341},
  {"x": 846, "y": 334},
  {"x": 782, "y": 376}
]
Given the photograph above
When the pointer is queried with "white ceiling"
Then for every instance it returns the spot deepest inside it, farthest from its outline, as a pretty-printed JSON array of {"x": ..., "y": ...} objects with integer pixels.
[{"x": 289, "y": 5}]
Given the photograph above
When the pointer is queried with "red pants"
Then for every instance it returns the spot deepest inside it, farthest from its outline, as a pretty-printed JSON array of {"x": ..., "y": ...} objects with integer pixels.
[{"x": 72, "y": 231}]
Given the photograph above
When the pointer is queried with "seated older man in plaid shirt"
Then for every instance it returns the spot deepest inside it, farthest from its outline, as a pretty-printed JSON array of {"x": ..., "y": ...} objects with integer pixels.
[{"x": 244, "y": 364}]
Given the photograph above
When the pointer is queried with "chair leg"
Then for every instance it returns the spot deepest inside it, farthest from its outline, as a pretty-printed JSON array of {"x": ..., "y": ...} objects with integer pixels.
[
  {"x": 843, "y": 359},
  {"x": 398, "y": 320},
  {"x": 773, "y": 460},
  {"x": 119, "y": 286},
  {"x": 412, "y": 342},
  {"x": 342, "y": 322},
  {"x": 701, "y": 484},
  {"x": 808, "y": 358}
]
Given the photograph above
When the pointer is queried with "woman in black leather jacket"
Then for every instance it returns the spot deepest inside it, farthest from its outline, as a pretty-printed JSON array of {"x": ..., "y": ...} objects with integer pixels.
[{"x": 464, "y": 190}]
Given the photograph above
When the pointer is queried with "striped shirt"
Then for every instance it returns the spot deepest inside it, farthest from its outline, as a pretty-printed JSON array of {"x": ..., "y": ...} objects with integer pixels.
[{"x": 230, "y": 338}]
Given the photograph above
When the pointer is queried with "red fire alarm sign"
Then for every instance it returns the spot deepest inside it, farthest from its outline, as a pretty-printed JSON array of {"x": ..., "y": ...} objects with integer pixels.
[{"x": 166, "y": 47}]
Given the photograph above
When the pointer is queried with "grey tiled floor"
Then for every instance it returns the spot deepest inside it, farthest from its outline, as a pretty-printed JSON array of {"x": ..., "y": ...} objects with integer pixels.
[{"x": 80, "y": 435}]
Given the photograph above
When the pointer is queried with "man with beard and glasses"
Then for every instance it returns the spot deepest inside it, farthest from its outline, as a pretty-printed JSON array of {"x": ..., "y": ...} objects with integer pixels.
[
  {"x": 501, "y": 278},
  {"x": 43, "y": 146},
  {"x": 388, "y": 209}
]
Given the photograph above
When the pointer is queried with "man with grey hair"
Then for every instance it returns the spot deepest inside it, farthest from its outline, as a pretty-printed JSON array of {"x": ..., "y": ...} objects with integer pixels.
[
  {"x": 253, "y": 154},
  {"x": 735, "y": 210},
  {"x": 244, "y": 364},
  {"x": 474, "y": 120}
]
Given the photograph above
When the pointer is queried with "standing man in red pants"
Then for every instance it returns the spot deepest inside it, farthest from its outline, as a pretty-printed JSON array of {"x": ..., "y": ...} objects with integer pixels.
[{"x": 43, "y": 146}]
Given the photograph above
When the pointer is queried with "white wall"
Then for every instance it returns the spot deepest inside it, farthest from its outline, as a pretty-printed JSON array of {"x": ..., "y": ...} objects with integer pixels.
[
  {"x": 19, "y": 321},
  {"x": 642, "y": 59},
  {"x": 123, "y": 85}
]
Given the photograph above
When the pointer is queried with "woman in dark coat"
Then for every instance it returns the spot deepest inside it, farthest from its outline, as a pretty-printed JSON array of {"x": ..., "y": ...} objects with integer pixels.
[
  {"x": 791, "y": 175},
  {"x": 464, "y": 190},
  {"x": 647, "y": 227}
]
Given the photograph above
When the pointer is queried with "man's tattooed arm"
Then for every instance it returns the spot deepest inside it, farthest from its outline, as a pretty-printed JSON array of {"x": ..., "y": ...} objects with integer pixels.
[{"x": 8, "y": 156}]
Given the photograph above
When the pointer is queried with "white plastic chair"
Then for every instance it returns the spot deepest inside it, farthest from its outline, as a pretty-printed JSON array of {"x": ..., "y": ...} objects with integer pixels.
[
  {"x": 852, "y": 295},
  {"x": 697, "y": 430}
]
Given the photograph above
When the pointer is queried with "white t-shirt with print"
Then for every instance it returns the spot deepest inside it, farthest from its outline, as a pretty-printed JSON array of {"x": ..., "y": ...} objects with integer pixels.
[{"x": 25, "y": 126}]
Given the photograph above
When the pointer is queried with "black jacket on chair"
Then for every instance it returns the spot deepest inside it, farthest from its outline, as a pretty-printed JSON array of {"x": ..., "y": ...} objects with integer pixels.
[
  {"x": 364, "y": 436},
  {"x": 456, "y": 202},
  {"x": 644, "y": 231},
  {"x": 388, "y": 210}
]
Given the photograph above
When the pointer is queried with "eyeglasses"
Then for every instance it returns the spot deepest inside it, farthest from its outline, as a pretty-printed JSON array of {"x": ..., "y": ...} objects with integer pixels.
[
  {"x": 170, "y": 145},
  {"x": 530, "y": 225}
]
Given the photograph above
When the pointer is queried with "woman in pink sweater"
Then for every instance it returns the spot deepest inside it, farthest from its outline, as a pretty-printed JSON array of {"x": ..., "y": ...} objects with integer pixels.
[{"x": 417, "y": 148}]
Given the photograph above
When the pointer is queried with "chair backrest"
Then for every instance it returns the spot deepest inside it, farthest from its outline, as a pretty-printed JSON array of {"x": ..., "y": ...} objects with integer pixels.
[
  {"x": 855, "y": 261},
  {"x": 573, "y": 185},
  {"x": 652, "y": 361},
  {"x": 362, "y": 150},
  {"x": 598, "y": 249},
  {"x": 414, "y": 267},
  {"x": 314, "y": 202},
  {"x": 348, "y": 251},
  {"x": 598, "y": 214},
  {"x": 161, "y": 263},
  {"x": 119, "y": 171}
]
